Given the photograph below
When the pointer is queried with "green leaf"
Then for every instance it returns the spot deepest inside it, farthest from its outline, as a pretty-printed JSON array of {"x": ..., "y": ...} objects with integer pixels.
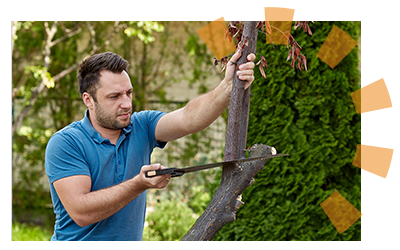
[{"x": 41, "y": 74}]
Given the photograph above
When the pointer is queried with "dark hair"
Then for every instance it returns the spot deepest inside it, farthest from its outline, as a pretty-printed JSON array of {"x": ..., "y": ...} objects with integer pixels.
[{"x": 89, "y": 70}]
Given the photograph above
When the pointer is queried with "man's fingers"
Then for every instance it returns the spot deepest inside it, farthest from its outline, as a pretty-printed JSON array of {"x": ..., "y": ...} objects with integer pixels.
[
  {"x": 244, "y": 72},
  {"x": 235, "y": 57},
  {"x": 246, "y": 77},
  {"x": 164, "y": 182},
  {"x": 249, "y": 65},
  {"x": 154, "y": 166},
  {"x": 251, "y": 57},
  {"x": 158, "y": 182}
]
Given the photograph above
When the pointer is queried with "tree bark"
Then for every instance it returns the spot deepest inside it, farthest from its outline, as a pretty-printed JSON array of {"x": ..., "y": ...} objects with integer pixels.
[
  {"x": 238, "y": 113},
  {"x": 235, "y": 179}
]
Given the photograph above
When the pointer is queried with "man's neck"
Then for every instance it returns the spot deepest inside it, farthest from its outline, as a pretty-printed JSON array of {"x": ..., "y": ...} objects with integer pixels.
[{"x": 106, "y": 133}]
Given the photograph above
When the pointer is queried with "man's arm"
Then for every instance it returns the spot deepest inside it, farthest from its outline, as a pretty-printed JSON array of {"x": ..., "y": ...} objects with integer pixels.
[
  {"x": 86, "y": 207},
  {"x": 203, "y": 110}
]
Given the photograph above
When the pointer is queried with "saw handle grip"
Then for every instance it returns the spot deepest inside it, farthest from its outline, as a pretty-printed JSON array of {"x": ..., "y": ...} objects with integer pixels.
[{"x": 170, "y": 171}]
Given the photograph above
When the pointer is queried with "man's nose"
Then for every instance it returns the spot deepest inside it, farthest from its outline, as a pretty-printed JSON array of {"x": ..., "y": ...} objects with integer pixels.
[{"x": 126, "y": 102}]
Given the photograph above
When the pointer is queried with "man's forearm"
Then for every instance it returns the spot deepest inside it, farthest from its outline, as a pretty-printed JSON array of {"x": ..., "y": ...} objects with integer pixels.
[
  {"x": 203, "y": 110},
  {"x": 86, "y": 207},
  {"x": 95, "y": 206}
]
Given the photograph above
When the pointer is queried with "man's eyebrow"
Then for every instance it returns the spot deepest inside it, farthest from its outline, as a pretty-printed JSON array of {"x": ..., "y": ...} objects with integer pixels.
[
  {"x": 114, "y": 93},
  {"x": 118, "y": 92}
]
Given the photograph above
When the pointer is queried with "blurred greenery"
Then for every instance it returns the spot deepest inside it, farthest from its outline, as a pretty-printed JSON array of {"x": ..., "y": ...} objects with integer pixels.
[
  {"x": 172, "y": 211},
  {"x": 29, "y": 232},
  {"x": 170, "y": 219}
]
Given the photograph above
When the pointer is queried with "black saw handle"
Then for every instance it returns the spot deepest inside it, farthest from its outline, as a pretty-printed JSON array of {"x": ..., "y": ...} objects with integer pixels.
[{"x": 172, "y": 171}]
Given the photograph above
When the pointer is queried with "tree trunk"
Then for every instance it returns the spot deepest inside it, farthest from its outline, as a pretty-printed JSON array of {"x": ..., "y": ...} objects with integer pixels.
[
  {"x": 227, "y": 199},
  {"x": 238, "y": 113}
]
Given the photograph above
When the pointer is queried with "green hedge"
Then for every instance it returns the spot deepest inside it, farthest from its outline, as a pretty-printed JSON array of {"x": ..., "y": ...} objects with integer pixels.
[{"x": 311, "y": 116}]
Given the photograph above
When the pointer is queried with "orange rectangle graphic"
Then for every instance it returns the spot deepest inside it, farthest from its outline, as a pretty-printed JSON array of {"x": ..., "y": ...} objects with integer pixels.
[{"x": 336, "y": 46}]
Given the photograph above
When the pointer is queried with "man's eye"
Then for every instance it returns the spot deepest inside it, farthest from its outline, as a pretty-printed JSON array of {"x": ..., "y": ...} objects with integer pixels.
[{"x": 113, "y": 97}]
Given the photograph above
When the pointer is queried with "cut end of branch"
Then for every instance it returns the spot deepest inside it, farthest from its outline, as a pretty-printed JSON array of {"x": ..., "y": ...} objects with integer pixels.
[{"x": 239, "y": 202}]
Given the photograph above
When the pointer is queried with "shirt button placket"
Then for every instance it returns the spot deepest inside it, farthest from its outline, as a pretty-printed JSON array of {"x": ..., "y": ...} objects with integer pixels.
[
  {"x": 120, "y": 169},
  {"x": 118, "y": 156}
]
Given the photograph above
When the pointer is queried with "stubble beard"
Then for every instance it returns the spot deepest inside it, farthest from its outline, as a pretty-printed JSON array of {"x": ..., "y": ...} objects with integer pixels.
[{"x": 110, "y": 121}]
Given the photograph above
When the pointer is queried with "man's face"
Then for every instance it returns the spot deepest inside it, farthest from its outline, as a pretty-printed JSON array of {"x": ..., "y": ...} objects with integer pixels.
[{"x": 113, "y": 108}]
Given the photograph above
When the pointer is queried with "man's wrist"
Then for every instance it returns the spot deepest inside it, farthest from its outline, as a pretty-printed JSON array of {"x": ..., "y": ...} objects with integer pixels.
[
  {"x": 138, "y": 183},
  {"x": 226, "y": 87}
]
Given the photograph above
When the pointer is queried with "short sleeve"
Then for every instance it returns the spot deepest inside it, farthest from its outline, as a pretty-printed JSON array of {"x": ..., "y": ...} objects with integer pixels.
[
  {"x": 63, "y": 158},
  {"x": 152, "y": 117}
]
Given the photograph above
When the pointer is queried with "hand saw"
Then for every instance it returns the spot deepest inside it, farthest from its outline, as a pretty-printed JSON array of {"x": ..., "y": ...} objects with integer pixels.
[{"x": 176, "y": 172}]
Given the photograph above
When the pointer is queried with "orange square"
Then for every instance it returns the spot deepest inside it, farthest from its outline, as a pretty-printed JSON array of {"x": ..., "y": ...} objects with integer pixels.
[
  {"x": 341, "y": 212},
  {"x": 372, "y": 97},
  {"x": 357, "y": 157},
  {"x": 213, "y": 34},
  {"x": 375, "y": 160},
  {"x": 356, "y": 97},
  {"x": 278, "y": 14},
  {"x": 276, "y": 36},
  {"x": 336, "y": 46}
]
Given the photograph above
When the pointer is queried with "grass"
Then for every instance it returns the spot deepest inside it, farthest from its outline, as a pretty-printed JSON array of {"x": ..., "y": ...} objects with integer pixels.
[{"x": 27, "y": 232}]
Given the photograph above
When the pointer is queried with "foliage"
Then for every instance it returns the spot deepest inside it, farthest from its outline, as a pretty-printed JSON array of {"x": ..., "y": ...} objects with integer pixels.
[
  {"x": 190, "y": 194},
  {"x": 42, "y": 74},
  {"x": 234, "y": 33},
  {"x": 310, "y": 116},
  {"x": 29, "y": 232},
  {"x": 30, "y": 195},
  {"x": 170, "y": 219},
  {"x": 143, "y": 30},
  {"x": 199, "y": 58}
]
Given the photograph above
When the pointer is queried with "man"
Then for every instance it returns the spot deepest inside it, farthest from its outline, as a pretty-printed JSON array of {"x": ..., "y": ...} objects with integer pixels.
[{"x": 96, "y": 167}]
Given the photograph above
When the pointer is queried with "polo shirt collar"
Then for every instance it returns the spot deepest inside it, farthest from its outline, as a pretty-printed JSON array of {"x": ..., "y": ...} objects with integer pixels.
[
  {"x": 87, "y": 125},
  {"x": 127, "y": 129}
]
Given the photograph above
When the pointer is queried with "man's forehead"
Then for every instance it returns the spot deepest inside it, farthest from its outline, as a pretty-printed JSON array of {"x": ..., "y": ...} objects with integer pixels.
[
  {"x": 109, "y": 79},
  {"x": 126, "y": 73},
  {"x": 109, "y": 73}
]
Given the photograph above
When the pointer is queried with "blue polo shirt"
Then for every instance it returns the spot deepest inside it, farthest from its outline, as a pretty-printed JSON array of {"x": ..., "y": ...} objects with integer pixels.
[{"x": 79, "y": 149}]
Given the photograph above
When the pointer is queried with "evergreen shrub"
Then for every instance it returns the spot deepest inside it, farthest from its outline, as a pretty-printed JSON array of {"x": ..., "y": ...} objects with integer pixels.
[{"x": 311, "y": 116}]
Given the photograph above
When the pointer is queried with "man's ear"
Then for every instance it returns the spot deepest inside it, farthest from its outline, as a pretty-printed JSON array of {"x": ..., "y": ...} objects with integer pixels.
[{"x": 88, "y": 100}]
